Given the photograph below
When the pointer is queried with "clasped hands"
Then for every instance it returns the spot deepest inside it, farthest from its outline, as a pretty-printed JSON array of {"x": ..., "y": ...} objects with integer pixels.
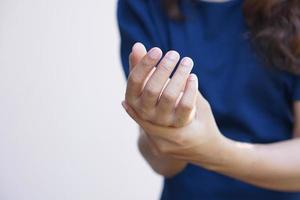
[{"x": 172, "y": 111}]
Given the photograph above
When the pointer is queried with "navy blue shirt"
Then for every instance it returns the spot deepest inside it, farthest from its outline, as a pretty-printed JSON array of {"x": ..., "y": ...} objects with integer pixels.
[{"x": 250, "y": 101}]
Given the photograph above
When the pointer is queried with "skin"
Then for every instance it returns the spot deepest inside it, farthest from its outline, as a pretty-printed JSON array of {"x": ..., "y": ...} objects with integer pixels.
[{"x": 169, "y": 141}]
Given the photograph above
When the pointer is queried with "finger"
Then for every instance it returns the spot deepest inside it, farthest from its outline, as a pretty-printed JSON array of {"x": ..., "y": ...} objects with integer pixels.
[
  {"x": 131, "y": 112},
  {"x": 139, "y": 74},
  {"x": 171, "y": 93},
  {"x": 151, "y": 129},
  {"x": 186, "y": 106},
  {"x": 179, "y": 97},
  {"x": 137, "y": 53},
  {"x": 157, "y": 81}
]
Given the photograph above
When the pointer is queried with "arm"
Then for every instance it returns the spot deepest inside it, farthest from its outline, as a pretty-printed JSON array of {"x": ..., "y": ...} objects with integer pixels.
[
  {"x": 160, "y": 163},
  {"x": 136, "y": 23},
  {"x": 154, "y": 107},
  {"x": 273, "y": 166}
]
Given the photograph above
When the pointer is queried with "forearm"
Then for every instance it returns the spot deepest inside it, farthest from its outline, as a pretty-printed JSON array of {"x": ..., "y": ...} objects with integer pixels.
[
  {"x": 162, "y": 164},
  {"x": 272, "y": 166}
]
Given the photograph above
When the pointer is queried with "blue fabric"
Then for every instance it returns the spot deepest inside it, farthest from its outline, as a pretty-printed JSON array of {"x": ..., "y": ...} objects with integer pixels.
[{"x": 250, "y": 101}]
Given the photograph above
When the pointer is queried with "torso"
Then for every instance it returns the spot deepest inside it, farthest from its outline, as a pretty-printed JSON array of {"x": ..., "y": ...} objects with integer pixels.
[{"x": 251, "y": 102}]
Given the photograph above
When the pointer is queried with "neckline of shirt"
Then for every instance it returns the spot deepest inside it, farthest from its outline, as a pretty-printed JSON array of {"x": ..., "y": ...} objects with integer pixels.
[{"x": 217, "y": 3}]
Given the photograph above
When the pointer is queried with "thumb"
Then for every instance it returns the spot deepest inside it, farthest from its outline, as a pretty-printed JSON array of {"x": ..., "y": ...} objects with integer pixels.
[
  {"x": 202, "y": 105},
  {"x": 137, "y": 53}
]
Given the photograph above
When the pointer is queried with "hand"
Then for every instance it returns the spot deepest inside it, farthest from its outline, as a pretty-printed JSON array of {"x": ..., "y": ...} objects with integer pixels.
[
  {"x": 156, "y": 97},
  {"x": 199, "y": 142},
  {"x": 200, "y": 138},
  {"x": 162, "y": 164}
]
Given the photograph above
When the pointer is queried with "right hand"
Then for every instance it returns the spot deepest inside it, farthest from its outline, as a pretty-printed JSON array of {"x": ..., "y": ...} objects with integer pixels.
[
  {"x": 153, "y": 95},
  {"x": 167, "y": 166}
]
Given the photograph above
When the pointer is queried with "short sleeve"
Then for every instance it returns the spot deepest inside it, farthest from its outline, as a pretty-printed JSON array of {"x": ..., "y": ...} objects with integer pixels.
[{"x": 136, "y": 24}]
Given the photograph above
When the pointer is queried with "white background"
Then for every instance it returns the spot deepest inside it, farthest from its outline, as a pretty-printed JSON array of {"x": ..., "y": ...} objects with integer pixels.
[{"x": 63, "y": 133}]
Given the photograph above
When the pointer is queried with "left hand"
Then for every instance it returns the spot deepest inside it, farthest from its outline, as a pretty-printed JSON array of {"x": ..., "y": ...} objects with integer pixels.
[{"x": 199, "y": 140}]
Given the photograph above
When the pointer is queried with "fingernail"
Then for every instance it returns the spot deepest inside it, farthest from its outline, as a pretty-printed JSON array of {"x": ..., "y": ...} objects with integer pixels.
[
  {"x": 173, "y": 55},
  {"x": 154, "y": 53},
  {"x": 186, "y": 61},
  {"x": 193, "y": 77},
  {"x": 137, "y": 46}
]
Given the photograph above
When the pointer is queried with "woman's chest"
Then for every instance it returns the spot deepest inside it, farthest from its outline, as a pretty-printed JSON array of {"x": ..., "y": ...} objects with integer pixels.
[{"x": 230, "y": 71}]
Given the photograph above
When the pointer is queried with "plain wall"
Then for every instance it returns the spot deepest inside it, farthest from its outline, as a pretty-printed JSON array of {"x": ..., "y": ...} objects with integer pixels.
[{"x": 63, "y": 132}]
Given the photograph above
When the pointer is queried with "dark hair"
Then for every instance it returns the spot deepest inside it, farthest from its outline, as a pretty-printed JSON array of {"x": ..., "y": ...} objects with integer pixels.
[{"x": 274, "y": 26}]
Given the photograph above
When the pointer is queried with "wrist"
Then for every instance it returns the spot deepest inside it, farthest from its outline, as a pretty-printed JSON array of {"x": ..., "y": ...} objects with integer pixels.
[
  {"x": 220, "y": 154},
  {"x": 162, "y": 164},
  {"x": 230, "y": 157},
  {"x": 225, "y": 155},
  {"x": 146, "y": 145}
]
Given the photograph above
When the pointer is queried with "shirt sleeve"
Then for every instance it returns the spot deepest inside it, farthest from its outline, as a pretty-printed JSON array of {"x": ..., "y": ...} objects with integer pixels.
[
  {"x": 296, "y": 90},
  {"x": 136, "y": 24}
]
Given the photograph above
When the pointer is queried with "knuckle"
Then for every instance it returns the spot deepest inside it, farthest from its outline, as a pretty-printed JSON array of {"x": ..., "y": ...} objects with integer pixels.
[
  {"x": 144, "y": 104},
  {"x": 131, "y": 102},
  {"x": 186, "y": 107},
  {"x": 181, "y": 120},
  {"x": 162, "y": 121},
  {"x": 177, "y": 84},
  {"x": 144, "y": 113},
  {"x": 169, "y": 61},
  {"x": 179, "y": 123},
  {"x": 128, "y": 97},
  {"x": 151, "y": 91},
  {"x": 169, "y": 97},
  {"x": 146, "y": 61},
  {"x": 166, "y": 64},
  {"x": 133, "y": 79}
]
